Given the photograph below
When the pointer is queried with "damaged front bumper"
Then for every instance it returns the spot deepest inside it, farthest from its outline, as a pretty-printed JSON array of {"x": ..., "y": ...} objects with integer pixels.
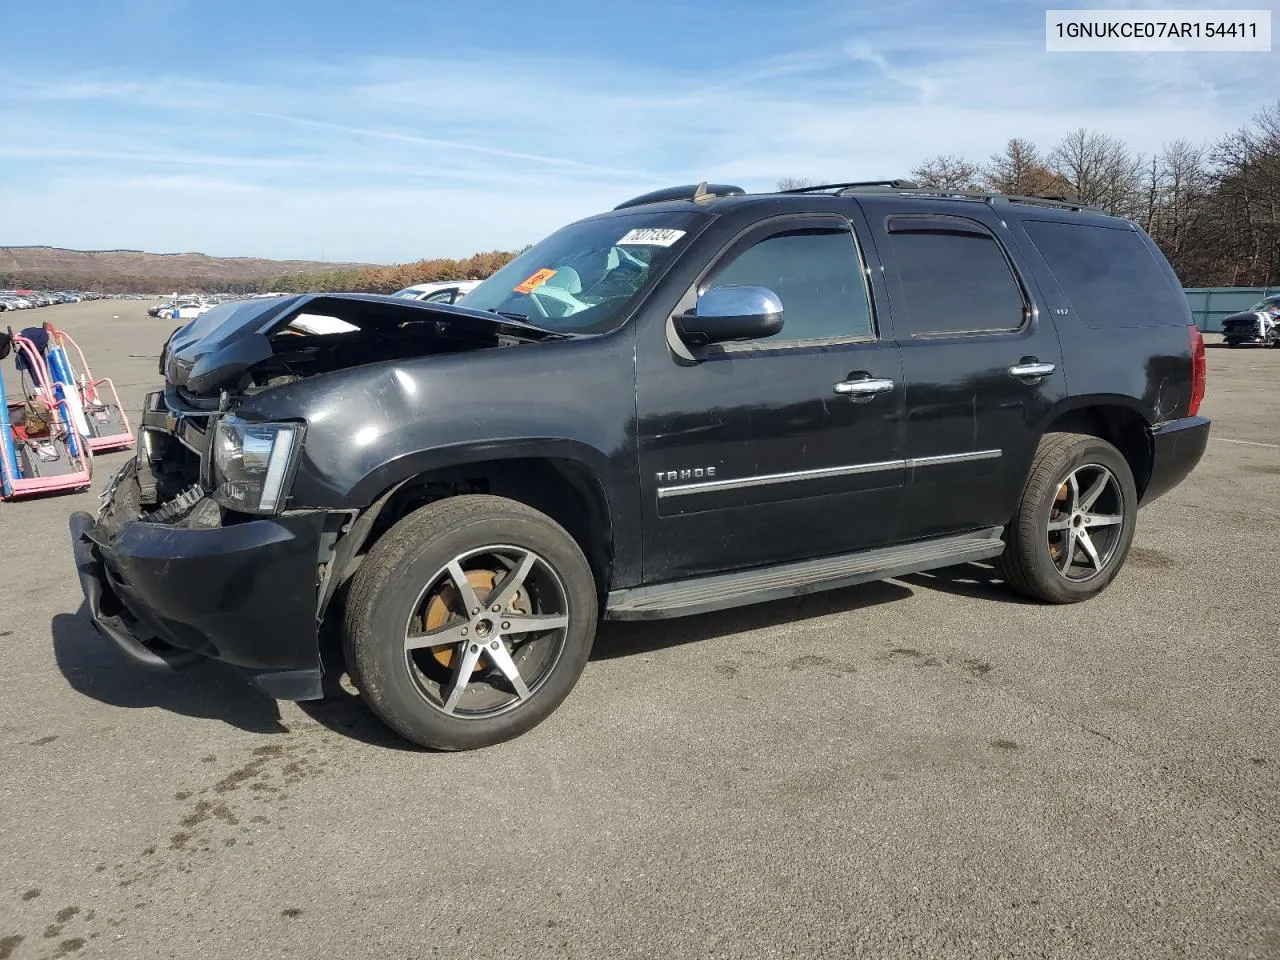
[{"x": 168, "y": 594}]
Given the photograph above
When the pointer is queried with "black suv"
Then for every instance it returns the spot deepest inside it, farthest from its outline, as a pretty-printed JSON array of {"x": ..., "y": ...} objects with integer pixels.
[{"x": 699, "y": 399}]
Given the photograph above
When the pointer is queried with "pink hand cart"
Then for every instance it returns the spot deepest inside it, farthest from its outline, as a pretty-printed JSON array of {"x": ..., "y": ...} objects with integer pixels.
[
  {"x": 53, "y": 459},
  {"x": 108, "y": 425}
]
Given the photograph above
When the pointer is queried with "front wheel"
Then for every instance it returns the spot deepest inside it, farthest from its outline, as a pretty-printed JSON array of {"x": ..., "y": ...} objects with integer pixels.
[
  {"x": 469, "y": 622},
  {"x": 1074, "y": 523}
]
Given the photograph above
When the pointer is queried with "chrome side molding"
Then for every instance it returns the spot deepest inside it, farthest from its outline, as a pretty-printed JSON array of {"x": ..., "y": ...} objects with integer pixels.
[{"x": 765, "y": 479}]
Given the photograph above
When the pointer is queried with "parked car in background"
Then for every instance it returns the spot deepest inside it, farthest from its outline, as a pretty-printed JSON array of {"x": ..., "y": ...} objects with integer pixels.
[
  {"x": 442, "y": 291},
  {"x": 27, "y": 299},
  {"x": 184, "y": 308},
  {"x": 1259, "y": 325},
  {"x": 189, "y": 310}
]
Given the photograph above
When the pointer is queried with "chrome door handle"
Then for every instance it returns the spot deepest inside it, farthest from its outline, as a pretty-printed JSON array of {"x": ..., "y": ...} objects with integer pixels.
[
  {"x": 863, "y": 388},
  {"x": 1025, "y": 371}
]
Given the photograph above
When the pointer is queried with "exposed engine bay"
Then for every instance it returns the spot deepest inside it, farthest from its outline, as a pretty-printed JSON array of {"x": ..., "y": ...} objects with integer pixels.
[{"x": 239, "y": 347}]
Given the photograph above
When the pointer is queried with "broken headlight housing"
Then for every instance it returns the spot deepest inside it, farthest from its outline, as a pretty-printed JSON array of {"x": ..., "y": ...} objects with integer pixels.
[{"x": 253, "y": 464}]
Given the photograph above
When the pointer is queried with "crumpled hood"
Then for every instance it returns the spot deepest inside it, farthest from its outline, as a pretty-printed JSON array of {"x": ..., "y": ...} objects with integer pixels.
[
  {"x": 217, "y": 350},
  {"x": 1248, "y": 318}
]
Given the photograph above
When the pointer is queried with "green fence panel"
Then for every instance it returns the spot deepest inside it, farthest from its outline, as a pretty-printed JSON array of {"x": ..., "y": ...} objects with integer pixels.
[{"x": 1209, "y": 305}]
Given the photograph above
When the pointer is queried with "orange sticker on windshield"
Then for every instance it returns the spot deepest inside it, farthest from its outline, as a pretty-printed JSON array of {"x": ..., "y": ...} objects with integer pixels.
[{"x": 535, "y": 281}]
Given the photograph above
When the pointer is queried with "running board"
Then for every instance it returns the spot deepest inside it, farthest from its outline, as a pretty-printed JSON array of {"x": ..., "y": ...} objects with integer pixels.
[{"x": 722, "y": 590}]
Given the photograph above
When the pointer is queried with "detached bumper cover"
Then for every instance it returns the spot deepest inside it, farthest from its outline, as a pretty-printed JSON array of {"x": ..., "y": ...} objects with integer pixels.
[
  {"x": 244, "y": 594},
  {"x": 1176, "y": 447}
]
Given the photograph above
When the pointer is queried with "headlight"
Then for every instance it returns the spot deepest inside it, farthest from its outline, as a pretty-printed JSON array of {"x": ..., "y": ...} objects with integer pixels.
[{"x": 253, "y": 462}]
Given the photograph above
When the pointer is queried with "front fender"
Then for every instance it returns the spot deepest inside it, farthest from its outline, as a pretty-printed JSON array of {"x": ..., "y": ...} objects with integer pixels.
[
  {"x": 612, "y": 487},
  {"x": 408, "y": 465}
]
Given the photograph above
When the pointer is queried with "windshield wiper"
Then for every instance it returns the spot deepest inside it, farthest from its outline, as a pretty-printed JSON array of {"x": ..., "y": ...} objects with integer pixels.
[{"x": 523, "y": 318}]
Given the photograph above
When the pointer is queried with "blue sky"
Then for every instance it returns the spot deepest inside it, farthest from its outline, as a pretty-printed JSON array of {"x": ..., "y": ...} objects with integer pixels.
[{"x": 390, "y": 131}]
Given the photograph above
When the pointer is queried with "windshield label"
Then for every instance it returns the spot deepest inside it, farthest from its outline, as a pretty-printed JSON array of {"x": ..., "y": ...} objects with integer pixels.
[
  {"x": 651, "y": 237},
  {"x": 535, "y": 281}
]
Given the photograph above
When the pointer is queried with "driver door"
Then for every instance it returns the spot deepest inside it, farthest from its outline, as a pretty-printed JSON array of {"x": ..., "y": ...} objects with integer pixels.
[{"x": 758, "y": 453}]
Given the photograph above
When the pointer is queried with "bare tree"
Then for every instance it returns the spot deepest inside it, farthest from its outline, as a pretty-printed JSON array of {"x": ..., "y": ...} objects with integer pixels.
[
  {"x": 1186, "y": 182},
  {"x": 795, "y": 183},
  {"x": 1152, "y": 189},
  {"x": 946, "y": 172},
  {"x": 1246, "y": 204},
  {"x": 1100, "y": 170},
  {"x": 1021, "y": 170}
]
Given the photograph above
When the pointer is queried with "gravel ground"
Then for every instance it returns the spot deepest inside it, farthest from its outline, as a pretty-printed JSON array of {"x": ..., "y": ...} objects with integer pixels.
[{"x": 922, "y": 767}]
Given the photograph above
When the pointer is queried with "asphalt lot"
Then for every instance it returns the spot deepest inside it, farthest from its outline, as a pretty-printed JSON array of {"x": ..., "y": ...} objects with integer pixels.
[{"x": 925, "y": 767}]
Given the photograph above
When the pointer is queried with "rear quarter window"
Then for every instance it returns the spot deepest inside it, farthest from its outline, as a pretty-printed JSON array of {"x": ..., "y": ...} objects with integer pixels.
[{"x": 1110, "y": 276}]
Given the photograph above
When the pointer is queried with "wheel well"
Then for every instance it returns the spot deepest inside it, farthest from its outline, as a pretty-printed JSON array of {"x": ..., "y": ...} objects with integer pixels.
[
  {"x": 564, "y": 490},
  {"x": 1121, "y": 427}
]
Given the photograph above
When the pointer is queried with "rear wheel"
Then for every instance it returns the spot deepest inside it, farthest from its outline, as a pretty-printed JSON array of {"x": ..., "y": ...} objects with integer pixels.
[
  {"x": 470, "y": 622},
  {"x": 1075, "y": 521}
]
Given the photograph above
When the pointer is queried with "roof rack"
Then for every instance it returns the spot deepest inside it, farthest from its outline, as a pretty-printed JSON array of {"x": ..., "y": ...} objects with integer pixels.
[
  {"x": 703, "y": 192},
  {"x": 818, "y": 188},
  {"x": 697, "y": 192},
  {"x": 987, "y": 196}
]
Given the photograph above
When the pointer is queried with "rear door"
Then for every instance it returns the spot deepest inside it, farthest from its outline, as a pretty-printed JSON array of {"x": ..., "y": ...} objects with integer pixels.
[
  {"x": 762, "y": 452},
  {"x": 981, "y": 362}
]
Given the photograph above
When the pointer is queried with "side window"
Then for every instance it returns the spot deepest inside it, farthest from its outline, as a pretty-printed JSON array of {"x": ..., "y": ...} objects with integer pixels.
[
  {"x": 1108, "y": 274},
  {"x": 816, "y": 273},
  {"x": 444, "y": 296},
  {"x": 953, "y": 278}
]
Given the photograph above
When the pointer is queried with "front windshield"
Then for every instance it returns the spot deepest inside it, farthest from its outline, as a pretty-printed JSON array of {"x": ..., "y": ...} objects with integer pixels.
[
  {"x": 585, "y": 277},
  {"x": 1270, "y": 305}
]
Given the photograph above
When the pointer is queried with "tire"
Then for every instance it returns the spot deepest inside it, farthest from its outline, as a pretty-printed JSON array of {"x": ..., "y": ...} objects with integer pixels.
[
  {"x": 1033, "y": 561},
  {"x": 405, "y": 588}
]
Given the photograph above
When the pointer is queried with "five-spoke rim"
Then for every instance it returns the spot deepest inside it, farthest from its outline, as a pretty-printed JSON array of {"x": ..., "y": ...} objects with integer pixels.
[
  {"x": 486, "y": 631},
  {"x": 1086, "y": 521}
]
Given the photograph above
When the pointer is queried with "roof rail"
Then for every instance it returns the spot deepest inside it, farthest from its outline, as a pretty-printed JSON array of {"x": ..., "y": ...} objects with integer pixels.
[
  {"x": 1044, "y": 200},
  {"x": 907, "y": 186},
  {"x": 697, "y": 192},
  {"x": 993, "y": 197},
  {"x": 818, "y": 188},
  {"x": 987, "y": 196}
]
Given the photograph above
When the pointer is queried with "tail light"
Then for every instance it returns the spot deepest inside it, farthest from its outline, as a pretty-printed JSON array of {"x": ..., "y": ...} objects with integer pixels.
[{"x": 1198, "y": 369}]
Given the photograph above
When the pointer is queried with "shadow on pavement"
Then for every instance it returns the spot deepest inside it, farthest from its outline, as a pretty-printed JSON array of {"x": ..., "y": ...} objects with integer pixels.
[
  {"x": 625, "y": 638},
  {"x": 215, "y": 691},
  {"x": 346, "y": 714},
  {"x": 209, "y": 691},
  {"x": 978, "y": 580}
]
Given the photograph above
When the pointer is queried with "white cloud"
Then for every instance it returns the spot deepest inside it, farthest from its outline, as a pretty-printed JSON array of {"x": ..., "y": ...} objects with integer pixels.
[
  {"x": 232, "y": 218},
  {"x": 393, "y": 159}
]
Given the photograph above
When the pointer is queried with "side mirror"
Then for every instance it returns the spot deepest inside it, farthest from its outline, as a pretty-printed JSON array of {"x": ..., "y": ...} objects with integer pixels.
[{"x": 732, "y": 312}]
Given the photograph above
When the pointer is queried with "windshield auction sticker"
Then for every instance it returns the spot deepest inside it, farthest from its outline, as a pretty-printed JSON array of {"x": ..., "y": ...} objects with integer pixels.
[
  {"x": 650, "y": 237},
  {"x": 535, "y": 281},
  {"x": 1158, "y": 31}
]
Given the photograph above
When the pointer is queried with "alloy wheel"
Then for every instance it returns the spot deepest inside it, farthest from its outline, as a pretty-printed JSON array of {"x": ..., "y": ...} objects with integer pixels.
[
  {"x": 1086, "y": 523},
  {"x": 486, "y": 631}
]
